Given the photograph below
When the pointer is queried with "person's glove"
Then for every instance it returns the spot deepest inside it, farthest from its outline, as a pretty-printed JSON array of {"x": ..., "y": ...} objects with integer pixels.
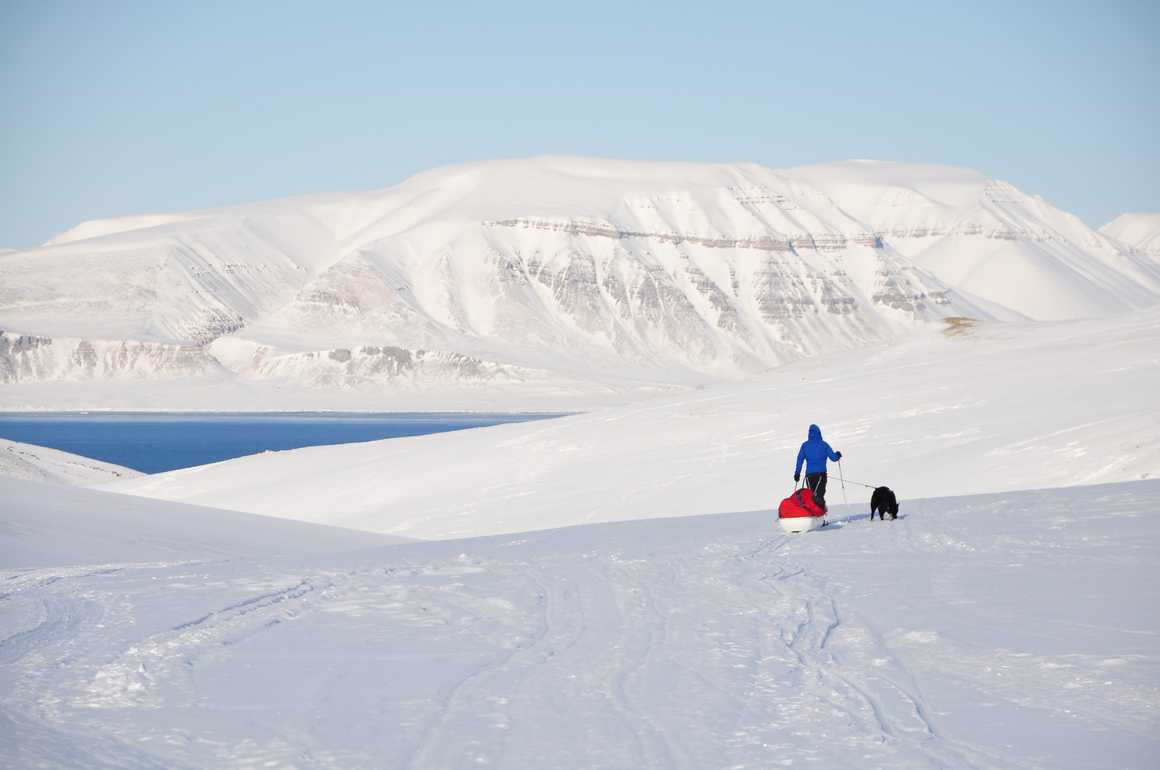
[
  {"x": 838, "y": 455},
  {"x": 797, "y": 477}
]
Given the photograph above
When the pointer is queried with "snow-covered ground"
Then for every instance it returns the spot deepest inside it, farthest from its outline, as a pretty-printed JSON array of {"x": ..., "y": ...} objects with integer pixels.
[
  {"x": 971, "y": 409},
  {"x": 1003, "y": 631},
  {"x": 37, "y": 463}
]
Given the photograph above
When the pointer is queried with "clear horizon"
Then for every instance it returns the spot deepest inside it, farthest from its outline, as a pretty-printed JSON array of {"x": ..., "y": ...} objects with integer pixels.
[{"x": 135, "y": 108}]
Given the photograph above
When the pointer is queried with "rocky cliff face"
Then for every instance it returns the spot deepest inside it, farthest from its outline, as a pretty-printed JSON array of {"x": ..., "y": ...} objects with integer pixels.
[
  {"x": 367, "y": 365},
  {"x": 501, "y": 271},
  {"x": 30, "y": 358}
]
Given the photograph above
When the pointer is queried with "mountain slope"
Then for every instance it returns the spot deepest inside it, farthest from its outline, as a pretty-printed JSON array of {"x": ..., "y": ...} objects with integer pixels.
[
  {"x": 546, "y": 269},
  {"x": 976, "y": 409}
]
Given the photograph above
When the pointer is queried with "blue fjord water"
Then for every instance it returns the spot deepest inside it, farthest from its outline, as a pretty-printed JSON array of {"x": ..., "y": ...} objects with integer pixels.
[{"x": 156, "y": 442}]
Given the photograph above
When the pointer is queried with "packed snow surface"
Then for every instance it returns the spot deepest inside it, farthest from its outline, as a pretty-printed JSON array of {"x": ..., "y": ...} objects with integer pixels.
[
  {"x": 571, "y": 275},
  {"x": 1005, "y": 631},
  {"x": 973, "y": 408},
  {"x": 37, "y": 463}
]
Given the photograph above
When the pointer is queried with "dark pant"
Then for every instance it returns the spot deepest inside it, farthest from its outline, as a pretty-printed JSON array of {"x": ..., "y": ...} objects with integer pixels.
[{"x": 817, "y": 484}]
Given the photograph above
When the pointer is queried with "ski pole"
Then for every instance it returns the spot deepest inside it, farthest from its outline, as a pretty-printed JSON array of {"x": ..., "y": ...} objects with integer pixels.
[{"x": 843, "y": 480}]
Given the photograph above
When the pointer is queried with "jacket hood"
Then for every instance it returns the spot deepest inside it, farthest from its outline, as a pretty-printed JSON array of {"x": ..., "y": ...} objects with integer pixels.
[{"x": 815, "y": 433}]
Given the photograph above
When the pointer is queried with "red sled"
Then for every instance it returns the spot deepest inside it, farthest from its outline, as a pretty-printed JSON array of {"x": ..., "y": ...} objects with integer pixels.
[{"x": 799, "y": 513}]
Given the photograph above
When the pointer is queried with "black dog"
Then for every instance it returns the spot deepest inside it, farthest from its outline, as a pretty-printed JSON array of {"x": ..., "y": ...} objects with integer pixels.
[{"x": 883, "y": 502}]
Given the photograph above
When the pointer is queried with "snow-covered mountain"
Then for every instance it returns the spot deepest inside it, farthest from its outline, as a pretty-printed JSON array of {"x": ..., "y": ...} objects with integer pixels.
[
  {"x": 554, "y": 270},
  {"x": 1141, "y": 231},
  {"x": 36, "y": 463}
]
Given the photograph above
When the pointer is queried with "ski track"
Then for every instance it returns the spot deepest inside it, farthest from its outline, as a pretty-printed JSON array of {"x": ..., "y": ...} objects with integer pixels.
[
  {"x": 645, "y": 595},
  {"x": 640, "y": 594},
  {"x": 736, "y": 652},
  {"x": 459, "y": 698},
  {"x": 60, "y": 617}
]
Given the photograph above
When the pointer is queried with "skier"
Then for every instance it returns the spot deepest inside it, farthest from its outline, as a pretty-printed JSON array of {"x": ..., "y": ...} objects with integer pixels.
[{"x": 815, "y": 452}]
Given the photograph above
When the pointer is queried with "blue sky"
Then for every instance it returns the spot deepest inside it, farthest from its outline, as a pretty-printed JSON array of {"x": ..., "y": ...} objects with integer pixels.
[{"x": 113, "y": 108}]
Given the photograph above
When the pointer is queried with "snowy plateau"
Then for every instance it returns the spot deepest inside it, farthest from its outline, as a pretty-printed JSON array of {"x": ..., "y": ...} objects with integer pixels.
[{"x": 607, "y": 589}]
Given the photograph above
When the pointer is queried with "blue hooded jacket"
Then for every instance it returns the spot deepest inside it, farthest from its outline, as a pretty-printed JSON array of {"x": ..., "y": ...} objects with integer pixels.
[{"x": 814, "y": 452}]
